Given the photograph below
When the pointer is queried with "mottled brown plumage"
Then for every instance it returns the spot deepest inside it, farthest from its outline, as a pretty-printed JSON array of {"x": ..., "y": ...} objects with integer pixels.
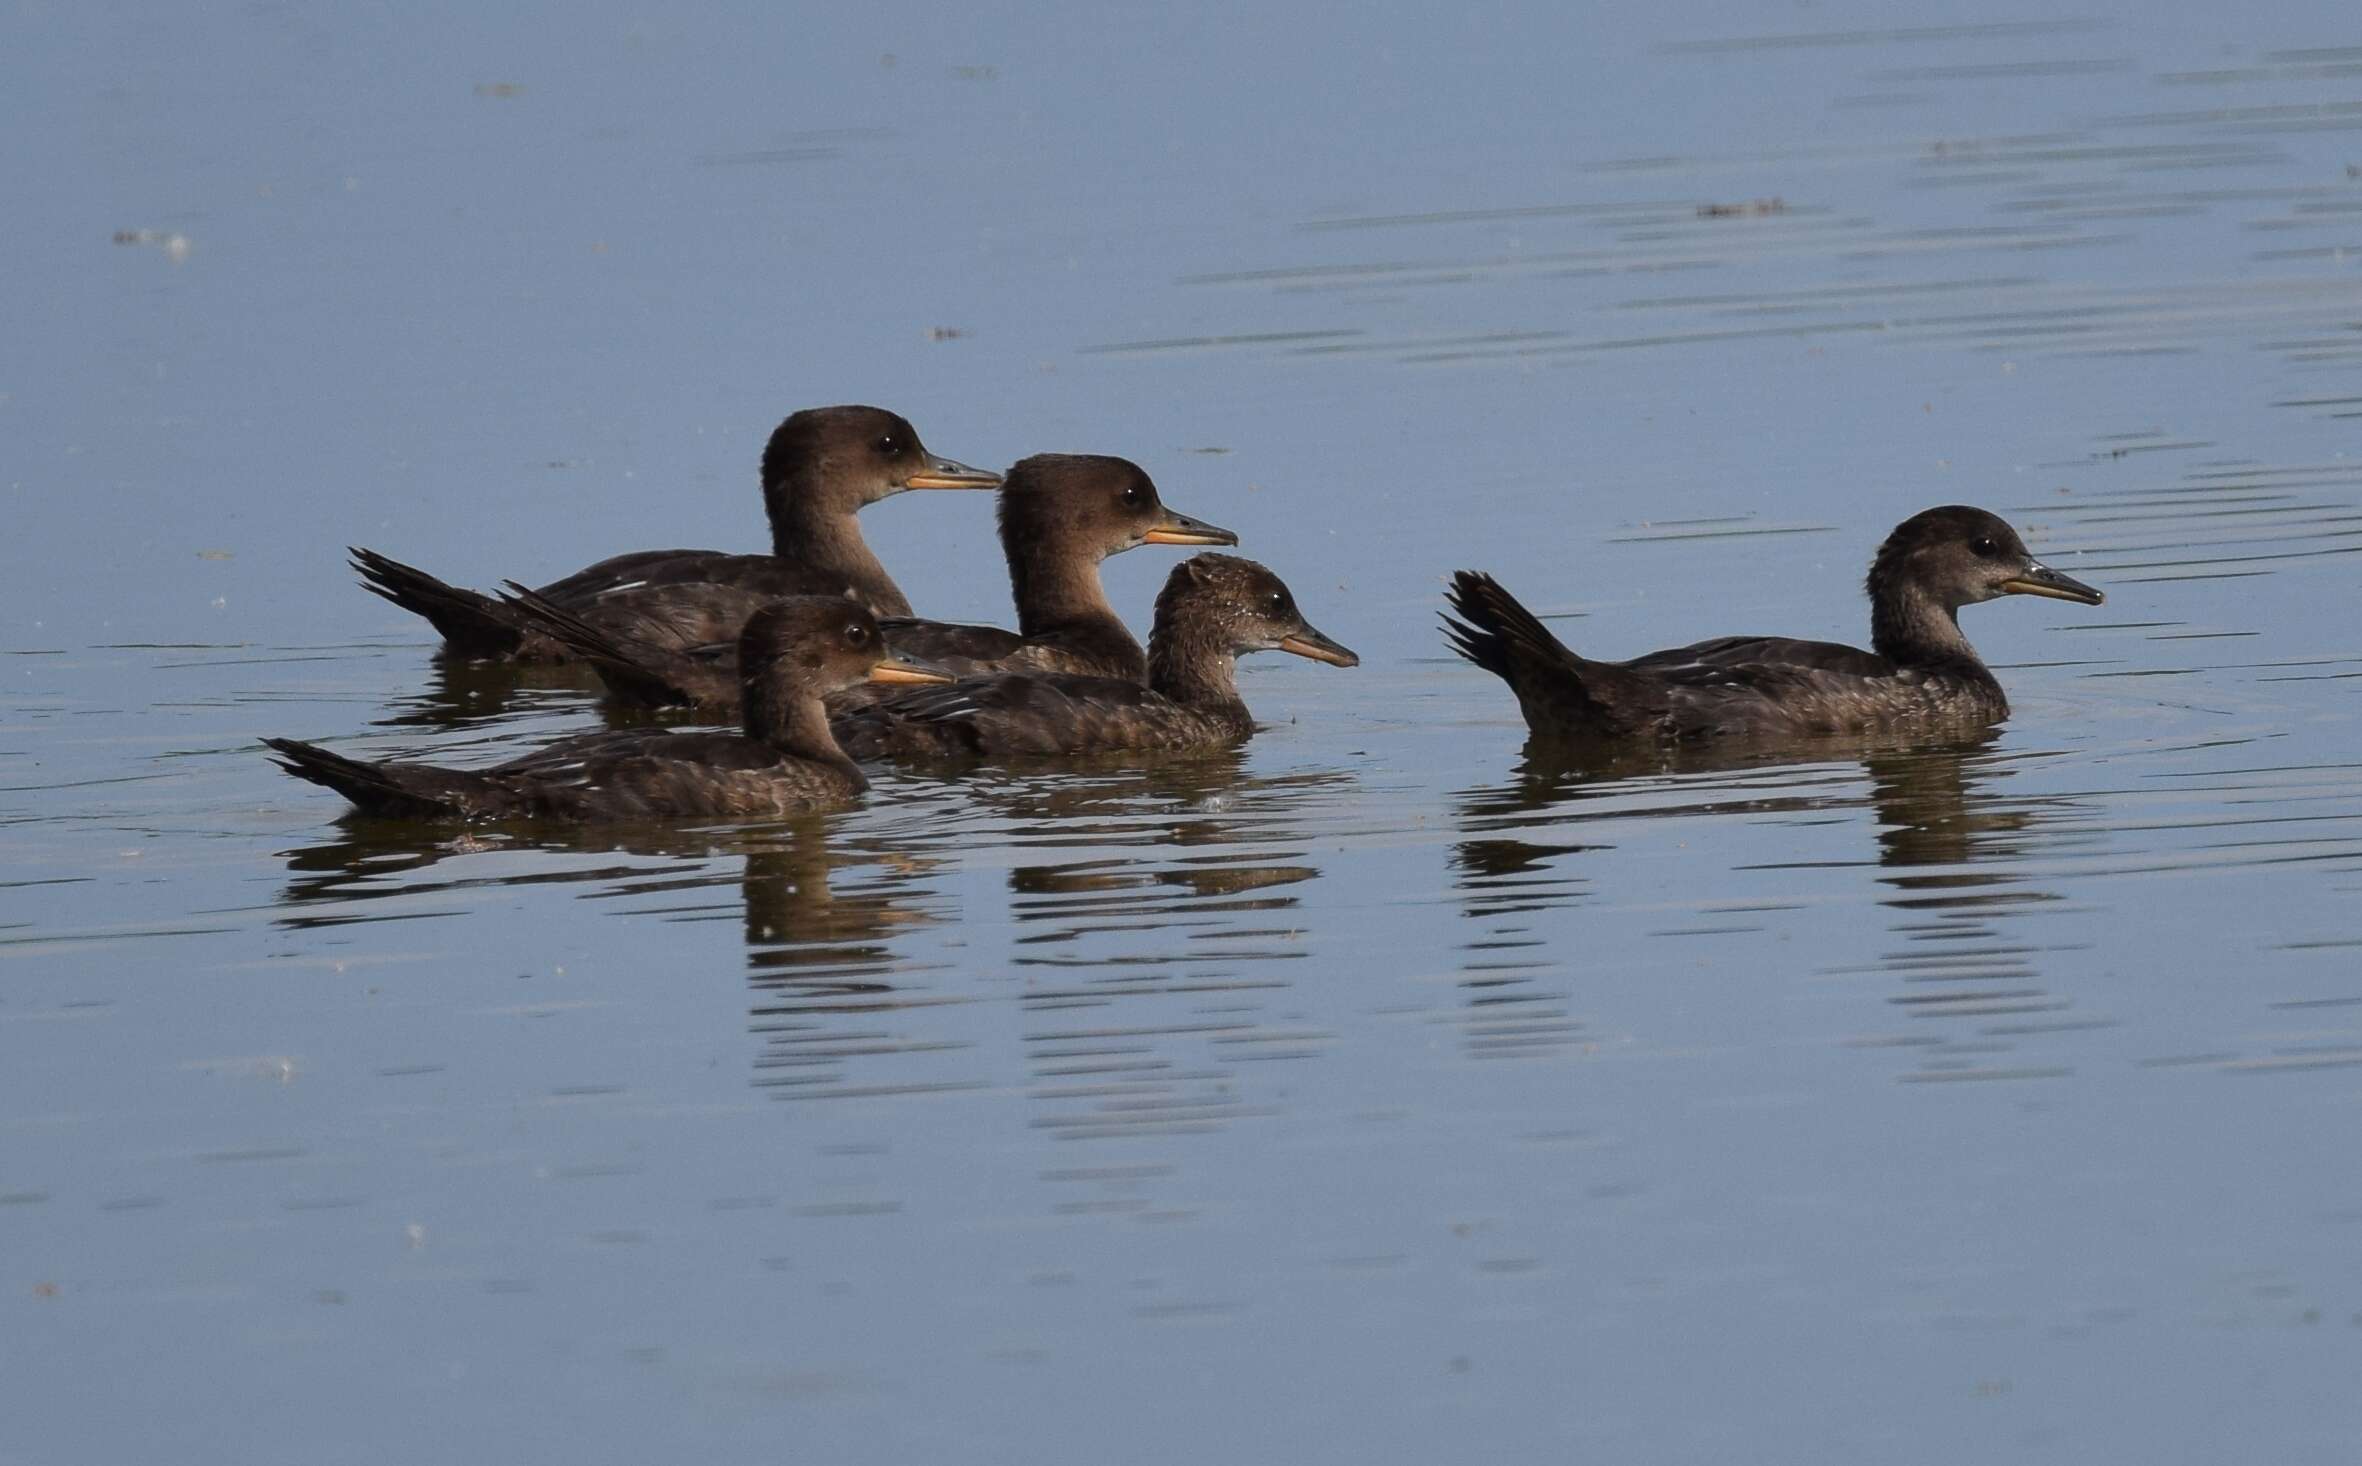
[
  {"x": 820, "y": 467},
  {"x": 1922, "y": 673},
  {"x": 1061, "y": 514},
  {"x": 1212, "y": 608},
  {"x": 783, "y": 760}
]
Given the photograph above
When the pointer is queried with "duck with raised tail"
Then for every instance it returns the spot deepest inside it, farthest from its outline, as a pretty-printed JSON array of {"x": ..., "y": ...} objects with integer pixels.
[{"x": 1921, "y": 671}]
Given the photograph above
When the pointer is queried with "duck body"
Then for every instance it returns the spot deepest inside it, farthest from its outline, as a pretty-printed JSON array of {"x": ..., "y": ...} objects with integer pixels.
[
  {"x": 782, "y": 761},
  {"x": 1923, "y": 674},
  {"x": 1060, "y": 516},
  {"x": 1024, "y": 714},
  {"x": 821, "y": 466},
  {"x": 1213, "y": 607},
  {"x": 634, "y": 773}
]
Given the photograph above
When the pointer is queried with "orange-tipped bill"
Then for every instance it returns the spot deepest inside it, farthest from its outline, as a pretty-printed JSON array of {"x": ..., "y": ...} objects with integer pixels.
[
  {"x": 1310, "y": 643},
  {"x": 2039, "y": 579},
  {"x": 1180, "y": 529},
  {"x": 909, "y": 671},
  {"x": 939, "y": 472}
]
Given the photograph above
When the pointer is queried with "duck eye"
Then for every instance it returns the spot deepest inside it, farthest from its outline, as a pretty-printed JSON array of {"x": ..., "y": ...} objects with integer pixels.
[
  {"x": 890, "y": 445},
  {"x": 1987, "y": 548},
  {"x": 1278, "y": 601},
  {"x": 856, "y": 634},
  {"x": 1132, "y": 494}
]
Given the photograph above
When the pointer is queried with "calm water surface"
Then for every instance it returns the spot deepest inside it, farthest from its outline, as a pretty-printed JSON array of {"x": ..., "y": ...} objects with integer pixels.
[{"x": 1370, "y": 1093}]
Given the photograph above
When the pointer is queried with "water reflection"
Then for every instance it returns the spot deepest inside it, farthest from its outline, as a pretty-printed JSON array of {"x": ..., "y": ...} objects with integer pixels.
[
  {"x": 1153, "y": 966},
  {"x": 1960, "y": 861},
  {"x": 462, "y": 694},
  {"x": 1147, "y": 901},
  {"x": 1960, "y": 864},
  {"x": 835, "y": 993}
]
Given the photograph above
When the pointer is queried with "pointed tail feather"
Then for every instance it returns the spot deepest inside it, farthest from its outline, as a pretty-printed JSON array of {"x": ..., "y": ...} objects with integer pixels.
[
  {"x": 1500, "y": 635},
  {"x": 413, "y": 790},
  {"x": 472, "y": 624},
  {"x": 636, "y": 671}
]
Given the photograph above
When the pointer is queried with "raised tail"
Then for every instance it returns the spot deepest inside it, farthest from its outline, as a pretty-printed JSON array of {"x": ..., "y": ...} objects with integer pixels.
[
  {"x": 415, "y": 791},
  {"x": 473, "y": 624},
  {"x": 635, "y": 671},
  {"x": 1500, "y": 635}
]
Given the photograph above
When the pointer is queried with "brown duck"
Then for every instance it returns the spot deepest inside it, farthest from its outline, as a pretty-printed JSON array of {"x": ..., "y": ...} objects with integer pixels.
[
  {"x": 783, "y": 761},
  {"x": 1061, "y": 514},
  {"x": 821, "y": 466},
  {"x": 1920, "y": 672},
  {"x": 1213, "y": 608}
]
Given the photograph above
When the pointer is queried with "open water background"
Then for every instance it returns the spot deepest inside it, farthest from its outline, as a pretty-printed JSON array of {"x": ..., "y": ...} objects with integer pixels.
[{"x": 1365, "y": 1094}]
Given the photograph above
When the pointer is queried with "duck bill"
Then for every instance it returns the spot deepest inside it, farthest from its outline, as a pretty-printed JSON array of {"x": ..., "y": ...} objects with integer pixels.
[
  {"x": 2038, "y": 579},
  {"x": 908, "y": 671},
  {"x": 1180, "y": 529},
  {"x": 1306, "y": 642},
  {"x": 939, "y": 472}
]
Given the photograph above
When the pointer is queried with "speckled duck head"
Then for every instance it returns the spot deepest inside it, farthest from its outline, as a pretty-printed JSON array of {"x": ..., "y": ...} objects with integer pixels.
[{"x": 1222, "y": 601}]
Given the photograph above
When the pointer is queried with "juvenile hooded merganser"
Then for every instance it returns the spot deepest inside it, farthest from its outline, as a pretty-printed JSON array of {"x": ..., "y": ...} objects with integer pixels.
[
  {"x": 1213, "y": 607},
  {"x": 1061, "y": 514},
  {"x": 1922, "y": 671},
  {"x": 784, "y": 760},
  {"x": 821, "y": 466}
]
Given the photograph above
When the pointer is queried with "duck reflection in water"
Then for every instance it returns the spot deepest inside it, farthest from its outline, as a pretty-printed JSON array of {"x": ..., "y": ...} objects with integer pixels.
[
  {"x": 1954, "y": 853},
  {"x": 463, "y": 694},
  {"x": 1164, "y": 842},
  {"x": 1958, "y": 856}
]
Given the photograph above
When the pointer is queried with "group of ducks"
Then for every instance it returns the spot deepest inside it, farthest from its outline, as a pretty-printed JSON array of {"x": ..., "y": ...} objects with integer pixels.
[{"x": 816, "y": 651}]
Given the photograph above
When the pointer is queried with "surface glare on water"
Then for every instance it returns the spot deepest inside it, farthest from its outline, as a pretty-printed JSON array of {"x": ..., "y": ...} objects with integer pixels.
[{"x": 1373, "y": 1092}]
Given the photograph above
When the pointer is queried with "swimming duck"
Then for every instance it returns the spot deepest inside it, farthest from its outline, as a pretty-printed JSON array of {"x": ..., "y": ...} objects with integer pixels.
[
  {"x": 1212, "y": 608},
  {"x": 1061, "y": 514},
  {"x": 784, "y": 760},
  {"x": 821, "y": 465},
  {"x": 1921, "y": 670}
]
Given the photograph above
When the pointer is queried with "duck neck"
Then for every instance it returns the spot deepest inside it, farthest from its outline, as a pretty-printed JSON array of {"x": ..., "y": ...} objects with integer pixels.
[
  {"x": 828, "y": 539},
  {"x": 793, "y": 721},
  {"x": 1060, "y": 596},
  {"x": 1193, "y": 670},
  {"x": 1910, "y": 628}
]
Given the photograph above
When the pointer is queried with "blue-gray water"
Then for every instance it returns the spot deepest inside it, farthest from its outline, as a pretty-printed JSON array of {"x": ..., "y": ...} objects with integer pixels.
[{"x": 1359, "y": 1096}]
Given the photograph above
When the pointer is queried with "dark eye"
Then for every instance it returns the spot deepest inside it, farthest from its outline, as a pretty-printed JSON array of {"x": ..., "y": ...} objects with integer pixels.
[
  {"x": 1987, "y": 548},
  {"x": 856, "y": 634},
  {"x": 890, "y": 445},
  {"x": 1278, "y": 602},
  {"x": 1132, "y": 494}
]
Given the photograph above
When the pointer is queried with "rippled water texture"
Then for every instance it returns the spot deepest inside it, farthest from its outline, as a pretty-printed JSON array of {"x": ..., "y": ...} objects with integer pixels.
[{"x": 1369, "y": 1093}]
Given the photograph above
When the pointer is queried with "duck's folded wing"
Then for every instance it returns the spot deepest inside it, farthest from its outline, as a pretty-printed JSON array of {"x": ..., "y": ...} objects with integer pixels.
[
  {"x": 765, "y": 575},
  {"x": 951, "y": 645},
  {"x": 1013, "y": 713},
  {"x": 652, "y": 669},
  {"x": 648, "y": 773},
  {"x": 1799, "y": 688},
  {"x": 1717, "y": 661}
]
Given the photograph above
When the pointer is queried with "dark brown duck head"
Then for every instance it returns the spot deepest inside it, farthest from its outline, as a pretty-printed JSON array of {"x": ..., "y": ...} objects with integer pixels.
[
  {"x": 1063, "y": 513},
  {"x": 1213, "y": 608},
  {"x": 822, "y": 465},
  {"x": 799, "y": 649},
  {"x": 1089, "y": 506},
  {"x": 1941, "y": 559},
  {"x": 837, "y": 459}
]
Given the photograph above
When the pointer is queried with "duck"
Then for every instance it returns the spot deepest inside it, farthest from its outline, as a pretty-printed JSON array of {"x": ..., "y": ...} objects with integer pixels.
[
  {"x": 1920, "y": 673},
  {"x": 1212, "y": 609},
  {"x": 821, "y": 466},
  {"x": 783, "y": 760},
  {"x": 1061, "y": 514}
]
